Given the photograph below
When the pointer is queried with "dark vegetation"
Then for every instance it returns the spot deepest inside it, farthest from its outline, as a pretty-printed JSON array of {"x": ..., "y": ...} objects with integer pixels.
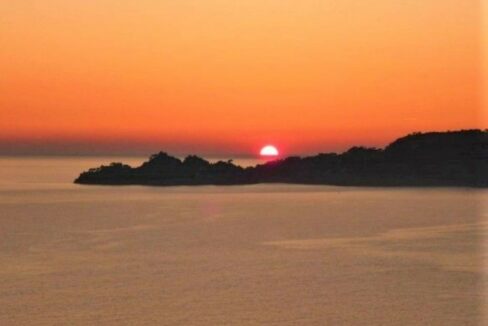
[{"x": 453, "y": 158}]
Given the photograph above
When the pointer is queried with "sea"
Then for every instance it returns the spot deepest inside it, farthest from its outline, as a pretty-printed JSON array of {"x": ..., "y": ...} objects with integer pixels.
[{"x": 266, "y": 254}]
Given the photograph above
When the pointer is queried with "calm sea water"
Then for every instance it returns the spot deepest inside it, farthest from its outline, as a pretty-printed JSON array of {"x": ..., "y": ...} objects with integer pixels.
[{"x": 236, "y": 255}]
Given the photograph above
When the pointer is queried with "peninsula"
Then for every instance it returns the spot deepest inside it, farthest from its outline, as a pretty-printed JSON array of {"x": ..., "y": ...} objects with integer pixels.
[{"x": 452, "y": 158}]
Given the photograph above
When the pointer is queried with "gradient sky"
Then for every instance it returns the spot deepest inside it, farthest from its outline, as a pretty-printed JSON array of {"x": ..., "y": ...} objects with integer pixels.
[{"x": 222, "y": 77}]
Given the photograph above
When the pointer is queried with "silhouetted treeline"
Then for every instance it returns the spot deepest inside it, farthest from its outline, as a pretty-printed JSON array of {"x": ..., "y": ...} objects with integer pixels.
[{"x": 453, "y": 158}]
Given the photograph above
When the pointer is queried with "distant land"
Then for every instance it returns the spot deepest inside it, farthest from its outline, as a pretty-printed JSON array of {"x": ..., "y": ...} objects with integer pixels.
[{"x": 452, "y": 158}]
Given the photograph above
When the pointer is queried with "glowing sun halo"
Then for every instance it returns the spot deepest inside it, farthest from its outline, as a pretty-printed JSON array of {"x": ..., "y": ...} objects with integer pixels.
[{"x": 269, "y": 150}]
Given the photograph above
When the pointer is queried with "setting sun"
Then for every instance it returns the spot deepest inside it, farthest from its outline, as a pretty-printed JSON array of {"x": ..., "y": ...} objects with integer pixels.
[{"x": 269, "y": 150}]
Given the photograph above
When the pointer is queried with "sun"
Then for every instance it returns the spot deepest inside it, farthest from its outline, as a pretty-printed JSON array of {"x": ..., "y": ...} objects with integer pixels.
[{"x": 269, "y": 150}]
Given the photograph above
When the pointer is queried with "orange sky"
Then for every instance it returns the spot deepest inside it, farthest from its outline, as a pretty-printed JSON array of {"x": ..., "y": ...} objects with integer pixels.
[{"x": 225, "y": 77}]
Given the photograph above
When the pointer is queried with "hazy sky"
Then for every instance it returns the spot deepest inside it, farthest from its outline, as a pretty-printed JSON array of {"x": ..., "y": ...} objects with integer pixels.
[{"x": 225, "y": 77}]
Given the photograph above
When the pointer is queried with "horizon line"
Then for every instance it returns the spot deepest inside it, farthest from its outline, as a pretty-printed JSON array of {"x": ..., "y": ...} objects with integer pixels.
[{"x": 32, "y": 148}]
